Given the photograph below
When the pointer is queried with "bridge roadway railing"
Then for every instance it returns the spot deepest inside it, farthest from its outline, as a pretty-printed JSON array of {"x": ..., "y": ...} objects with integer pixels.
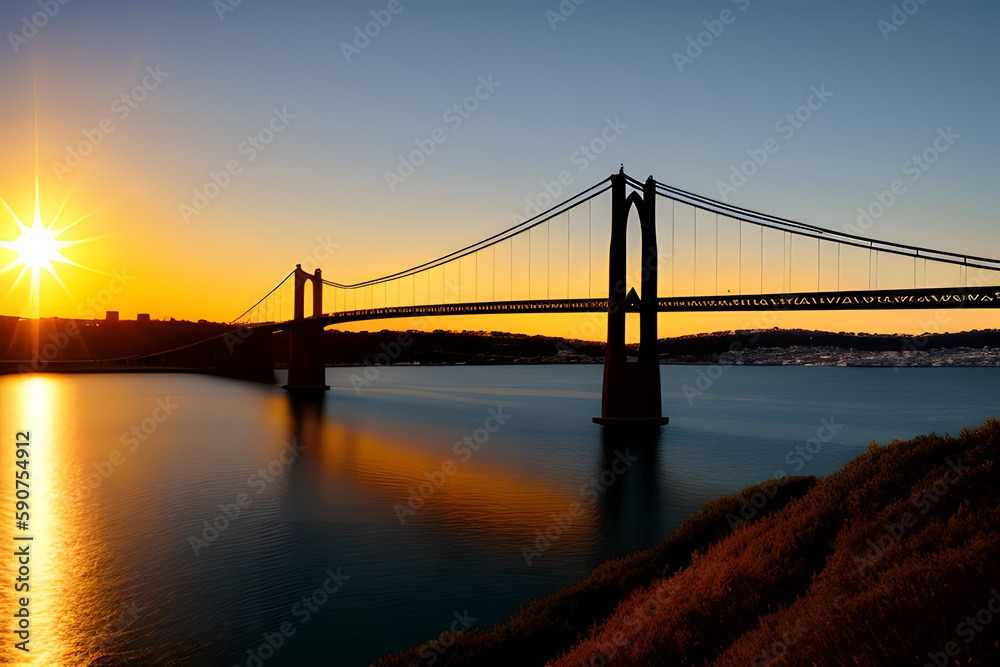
[{"x": 879, "y": 299}]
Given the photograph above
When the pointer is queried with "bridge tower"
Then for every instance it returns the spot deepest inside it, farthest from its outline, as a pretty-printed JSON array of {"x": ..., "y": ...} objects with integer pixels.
[
  {"x": 631, "y": 394},
  {"x": 306, "y": 363}
]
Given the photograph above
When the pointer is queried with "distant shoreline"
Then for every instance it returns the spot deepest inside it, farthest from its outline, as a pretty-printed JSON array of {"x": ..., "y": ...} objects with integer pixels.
[
  {"x": 82, "y": 368},
  {"x": 90, "y": 345}
]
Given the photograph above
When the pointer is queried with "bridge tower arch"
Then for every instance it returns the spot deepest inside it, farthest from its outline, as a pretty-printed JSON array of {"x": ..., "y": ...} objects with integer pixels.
[
  {"x": 301, "y": 278},
  {"x": 631, "y": 395},
  {"x": 306, "y": 361}
]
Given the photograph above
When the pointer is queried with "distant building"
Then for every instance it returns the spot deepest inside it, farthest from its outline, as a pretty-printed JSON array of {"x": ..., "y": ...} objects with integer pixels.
[
  {"x": 142, "y": 317},
  {"x": 112, "y": 316}
]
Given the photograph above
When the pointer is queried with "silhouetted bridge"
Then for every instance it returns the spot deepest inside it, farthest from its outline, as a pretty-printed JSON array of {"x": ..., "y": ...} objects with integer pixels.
[{"x": 712, "y": 247}]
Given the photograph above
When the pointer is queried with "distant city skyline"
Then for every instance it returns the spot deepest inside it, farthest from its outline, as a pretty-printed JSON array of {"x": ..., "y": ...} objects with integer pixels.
[{"x": 216, "y": 145}]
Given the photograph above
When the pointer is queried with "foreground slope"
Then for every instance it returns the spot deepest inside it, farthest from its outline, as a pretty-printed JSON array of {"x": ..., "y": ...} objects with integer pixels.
[{"x": 894, "y": 560}]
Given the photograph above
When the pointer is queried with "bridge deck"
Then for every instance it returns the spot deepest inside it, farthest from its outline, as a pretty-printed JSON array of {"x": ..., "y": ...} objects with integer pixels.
[{"x": 884, "y": 299}]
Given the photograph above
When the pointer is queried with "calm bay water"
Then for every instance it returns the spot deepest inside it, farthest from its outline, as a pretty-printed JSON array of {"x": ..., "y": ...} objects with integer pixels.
[{"x": 139, "y": 553}]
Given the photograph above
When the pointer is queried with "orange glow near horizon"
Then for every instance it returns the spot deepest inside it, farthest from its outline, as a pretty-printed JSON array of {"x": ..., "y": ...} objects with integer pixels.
[
  {"x": 36, "y": 249},
  {"x": 65, "y": 585},
  {"x": 38, "y": 246},
  {"x": 496, "y": 501},
  {"x": 170, "y": 270}
]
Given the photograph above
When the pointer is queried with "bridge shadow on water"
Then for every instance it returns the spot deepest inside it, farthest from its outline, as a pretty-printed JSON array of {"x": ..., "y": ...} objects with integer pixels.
[
  {"x": 627, "y": 490},
  {"x": 307, "y": 413},
  {"x": 623, "y": 493}
]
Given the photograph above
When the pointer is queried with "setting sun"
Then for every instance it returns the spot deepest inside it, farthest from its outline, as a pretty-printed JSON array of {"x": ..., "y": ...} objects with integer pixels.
[{"x": 37, "y": 247}]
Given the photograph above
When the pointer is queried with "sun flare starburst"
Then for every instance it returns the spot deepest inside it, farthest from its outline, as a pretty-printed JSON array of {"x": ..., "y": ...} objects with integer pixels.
[{"x": 37, "y": 248}]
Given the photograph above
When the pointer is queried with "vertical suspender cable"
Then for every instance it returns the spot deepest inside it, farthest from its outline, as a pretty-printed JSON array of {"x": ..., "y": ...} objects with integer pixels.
[
  {"x": 869, "y": 266},
  {"x": 716, "y": 253},
  {"x": 673, "y": 244}
]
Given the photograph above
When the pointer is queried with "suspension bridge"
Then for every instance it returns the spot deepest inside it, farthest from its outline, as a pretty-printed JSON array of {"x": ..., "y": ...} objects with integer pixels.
[{"x": 694, "y": 255}]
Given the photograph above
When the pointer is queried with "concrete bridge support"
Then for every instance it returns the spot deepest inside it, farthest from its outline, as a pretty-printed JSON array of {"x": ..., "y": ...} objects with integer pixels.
[
  {"x": 244, "y": 354},
  {"x": 631, "y": 395},
  {"x": 306, "y": 361}
]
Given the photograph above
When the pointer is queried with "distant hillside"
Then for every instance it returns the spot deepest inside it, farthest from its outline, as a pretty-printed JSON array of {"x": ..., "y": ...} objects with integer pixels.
[
  {"x": 804, "y": 347},
  {"x": 87, "y": 340},
  {"x": 443, "y": 347},
  {"x": 722, "y": 341},
  {"x": 771, "y": 346}
]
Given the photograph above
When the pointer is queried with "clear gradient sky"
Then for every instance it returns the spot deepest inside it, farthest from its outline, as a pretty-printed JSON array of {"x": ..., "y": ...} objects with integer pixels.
[{"x": 209, "y": 78}]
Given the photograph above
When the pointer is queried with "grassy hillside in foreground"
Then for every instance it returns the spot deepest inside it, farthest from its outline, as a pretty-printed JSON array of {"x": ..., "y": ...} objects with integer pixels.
[{"x": 894, "y": 560}]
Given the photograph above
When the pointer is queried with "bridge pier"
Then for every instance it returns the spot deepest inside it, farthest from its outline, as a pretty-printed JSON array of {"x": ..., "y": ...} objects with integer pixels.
[
  {"x": 245, "y": 355},
  {"x": 306, "y": 361},
  {"x": 631, "y": 395}
]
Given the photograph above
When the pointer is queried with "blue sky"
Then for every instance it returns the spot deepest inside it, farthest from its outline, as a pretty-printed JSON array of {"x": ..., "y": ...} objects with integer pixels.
[{"x": 560, "y": 83}]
